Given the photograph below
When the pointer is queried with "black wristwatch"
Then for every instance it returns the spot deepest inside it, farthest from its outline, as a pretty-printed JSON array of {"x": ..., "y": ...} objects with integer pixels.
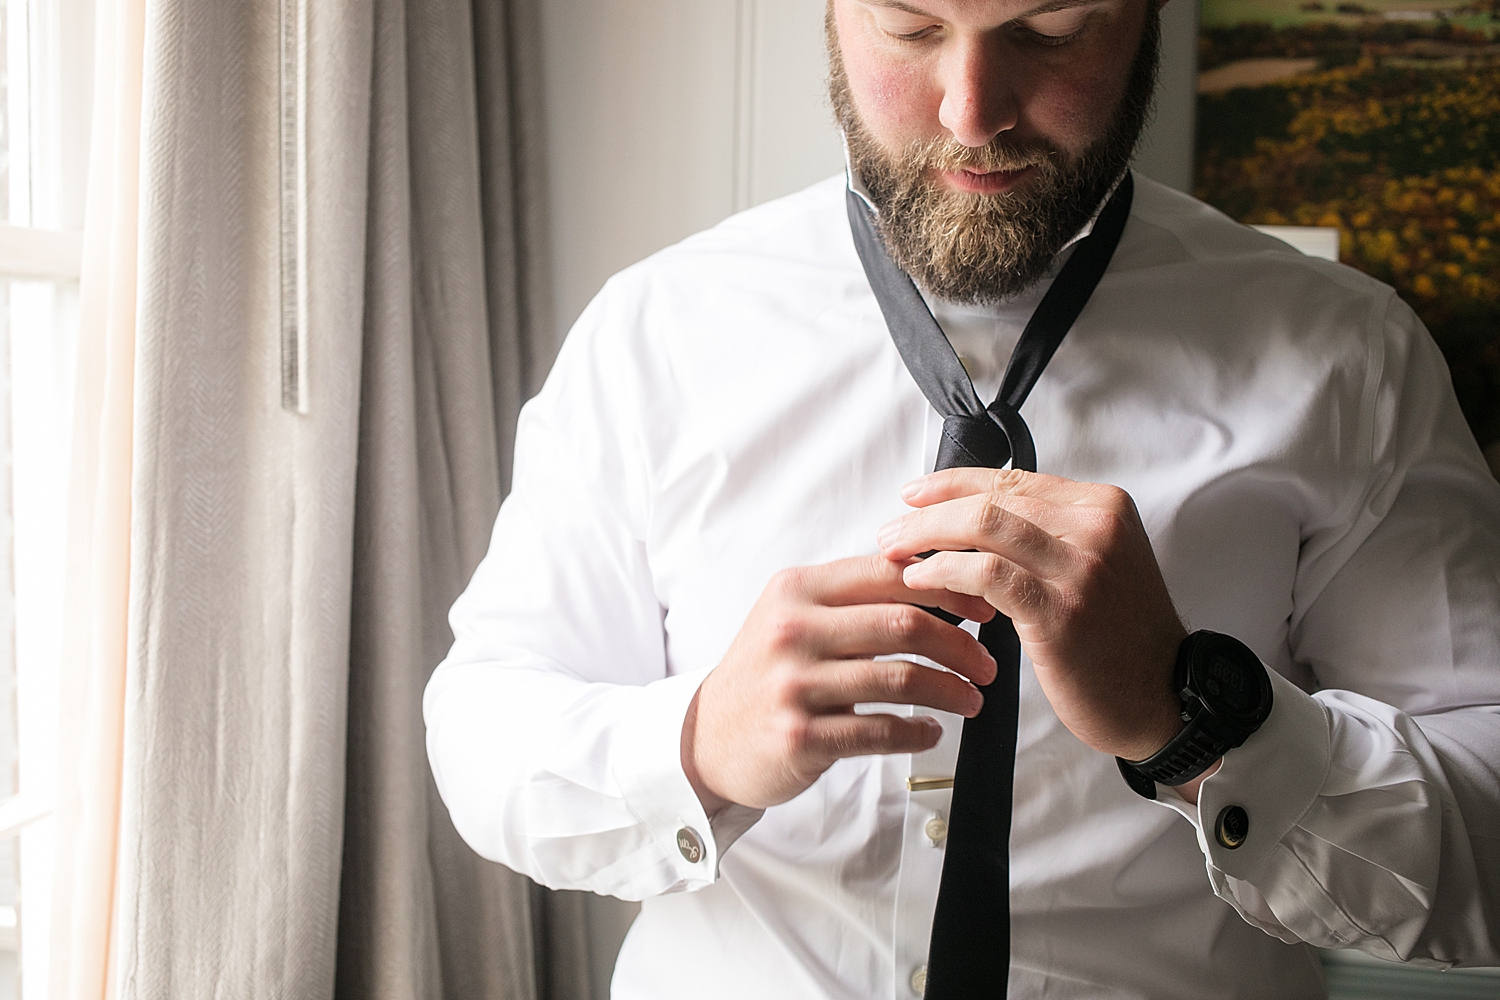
[{"x": 1226, "y": 696}]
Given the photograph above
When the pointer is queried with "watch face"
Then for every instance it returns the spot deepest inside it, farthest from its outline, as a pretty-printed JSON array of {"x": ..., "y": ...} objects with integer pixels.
[
  {"x": 1234, "y": 688},
  {"x": 1226, "y": 684}
]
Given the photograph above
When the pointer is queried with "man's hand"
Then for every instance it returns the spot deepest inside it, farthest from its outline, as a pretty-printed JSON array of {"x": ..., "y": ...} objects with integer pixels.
[
  {"x": 779, "y": 709},
  {"x": 1071, "y": 565}
]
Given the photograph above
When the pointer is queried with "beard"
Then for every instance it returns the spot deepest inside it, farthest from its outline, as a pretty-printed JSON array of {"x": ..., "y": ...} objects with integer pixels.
[{"x": 980, "y": 249}]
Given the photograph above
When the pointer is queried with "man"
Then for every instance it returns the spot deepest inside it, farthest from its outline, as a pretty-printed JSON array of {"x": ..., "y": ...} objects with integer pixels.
[{"x": 693, "y": 669}]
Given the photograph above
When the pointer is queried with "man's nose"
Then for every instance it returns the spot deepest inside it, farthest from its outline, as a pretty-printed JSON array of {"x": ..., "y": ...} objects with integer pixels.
[{"x": 979, "y": 101}]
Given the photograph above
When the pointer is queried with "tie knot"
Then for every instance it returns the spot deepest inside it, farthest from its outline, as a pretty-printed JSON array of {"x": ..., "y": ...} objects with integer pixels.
[
  {"x": 987, "y": 441},
  {"x": 972, "y": 441}
]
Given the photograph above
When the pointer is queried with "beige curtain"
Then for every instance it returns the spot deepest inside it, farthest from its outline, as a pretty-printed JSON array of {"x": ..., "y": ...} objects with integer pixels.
[{"x": 279, "y": 580}]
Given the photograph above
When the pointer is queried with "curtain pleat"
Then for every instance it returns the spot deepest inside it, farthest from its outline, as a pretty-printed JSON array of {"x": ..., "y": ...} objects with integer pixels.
[
  {"x": 290, "y": 574},
  {"x": 512, "y": 178},
  {"x": 241, "y": 528},
  {"x": 421, "y": 915}
]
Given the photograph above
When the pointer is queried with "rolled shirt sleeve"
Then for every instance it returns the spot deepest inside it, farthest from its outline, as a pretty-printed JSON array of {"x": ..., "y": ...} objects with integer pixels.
[{"x": 1374, "y": 802}]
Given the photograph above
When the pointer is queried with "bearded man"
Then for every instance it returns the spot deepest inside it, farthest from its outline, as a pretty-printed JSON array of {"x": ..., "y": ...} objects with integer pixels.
[{"x": 717, "y": 658}]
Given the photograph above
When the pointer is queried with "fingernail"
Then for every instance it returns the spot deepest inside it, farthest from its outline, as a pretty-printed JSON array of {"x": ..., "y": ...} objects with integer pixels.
[
  {"x": 978, "y": 702},
  {"x": 912, "y": 488},
  {"x": 887, "y": 535}
]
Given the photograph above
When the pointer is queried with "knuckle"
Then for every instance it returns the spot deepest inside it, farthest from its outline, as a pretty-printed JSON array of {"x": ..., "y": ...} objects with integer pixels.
[
  {"x": 1113, "y": 526},
  {"x": 1119, "y": 506},
  {"x": 790, "y": 687},
  {"x": 796, "y": 734},
  {"x": 901, "y": 678},
  {"x": 903, "y": 621},
  {"x": 785, "y": 629},
  {"x": 991, "y": 518},
  {"x": 788, "y": 582},
  {"x": 997, "y": 570},
  {"x": 1004, "y": 479}
]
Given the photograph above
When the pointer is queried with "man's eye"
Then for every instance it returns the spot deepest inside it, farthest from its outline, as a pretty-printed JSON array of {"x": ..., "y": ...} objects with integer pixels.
[
  {"x": 1044, "y": 38},
  {"x": 1057, "y": 28},
  {"x": 906, "y": 28},
  {"x": 915, "y": 36}
]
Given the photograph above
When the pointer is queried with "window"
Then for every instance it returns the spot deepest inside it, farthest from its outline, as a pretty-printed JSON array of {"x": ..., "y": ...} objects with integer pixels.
[{"x": 45, "y": 91}]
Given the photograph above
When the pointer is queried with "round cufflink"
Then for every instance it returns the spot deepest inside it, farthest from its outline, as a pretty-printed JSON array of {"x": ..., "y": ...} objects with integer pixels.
[
  {"x": 1232, "y": 828},
  {"x": 919, "y": 980},
  {"x": 936, "y": 829},
  {"x": 690, "y": 845}
]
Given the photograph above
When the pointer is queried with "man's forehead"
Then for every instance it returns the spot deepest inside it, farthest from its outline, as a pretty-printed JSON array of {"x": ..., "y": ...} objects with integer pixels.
[{"x": 996, "y": 11}]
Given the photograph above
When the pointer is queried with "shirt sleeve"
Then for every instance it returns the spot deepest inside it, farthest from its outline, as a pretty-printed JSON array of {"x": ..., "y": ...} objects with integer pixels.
[
  {"x": 1374, "y": 803},
  {"x": 554, "y": 725}
]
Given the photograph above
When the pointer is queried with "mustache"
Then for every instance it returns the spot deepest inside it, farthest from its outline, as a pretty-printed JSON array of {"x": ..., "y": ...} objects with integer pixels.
[{"x": 999, "y": 154}]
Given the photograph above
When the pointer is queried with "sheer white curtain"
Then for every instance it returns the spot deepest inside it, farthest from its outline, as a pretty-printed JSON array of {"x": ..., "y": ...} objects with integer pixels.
[
  {"x": 97, "y": 560},
  {"x": 264, "y": 589}
]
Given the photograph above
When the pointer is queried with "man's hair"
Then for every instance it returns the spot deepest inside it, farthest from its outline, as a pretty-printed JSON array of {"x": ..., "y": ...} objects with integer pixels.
[{"x": 984, "y": 248}]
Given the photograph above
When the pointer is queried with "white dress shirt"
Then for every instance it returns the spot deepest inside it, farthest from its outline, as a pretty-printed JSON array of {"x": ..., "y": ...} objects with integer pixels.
[{"x": 734, "y": 405}]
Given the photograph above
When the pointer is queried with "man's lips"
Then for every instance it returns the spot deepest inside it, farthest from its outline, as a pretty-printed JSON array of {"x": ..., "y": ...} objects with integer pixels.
[{"x": 984, "y": 181}]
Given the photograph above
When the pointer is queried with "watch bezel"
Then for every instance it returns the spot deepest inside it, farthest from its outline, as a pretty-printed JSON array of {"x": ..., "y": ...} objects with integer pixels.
[{"x": 1209, "y": 650}]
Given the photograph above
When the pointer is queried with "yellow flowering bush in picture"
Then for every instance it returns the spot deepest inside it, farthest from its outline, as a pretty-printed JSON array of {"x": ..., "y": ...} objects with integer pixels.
[{"x": 1381, "y": 119}]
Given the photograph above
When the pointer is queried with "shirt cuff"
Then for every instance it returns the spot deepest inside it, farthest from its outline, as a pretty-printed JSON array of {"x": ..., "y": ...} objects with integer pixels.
[
  {"x": 1275, "y": 777},
  {"x": 649, "y": 773}
]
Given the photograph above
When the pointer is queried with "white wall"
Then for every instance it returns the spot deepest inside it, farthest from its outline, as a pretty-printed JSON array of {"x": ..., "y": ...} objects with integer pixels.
[
  {"x": 665, "y": 116},
  {"x": 1166, "y": 150}
]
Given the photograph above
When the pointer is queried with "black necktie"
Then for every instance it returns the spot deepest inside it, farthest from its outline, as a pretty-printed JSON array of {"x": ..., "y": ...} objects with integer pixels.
[{"x": 969, "y": 957}]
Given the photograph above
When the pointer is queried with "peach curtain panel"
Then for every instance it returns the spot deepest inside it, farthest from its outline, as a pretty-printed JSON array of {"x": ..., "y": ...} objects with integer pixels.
[
  {"x": 260, "y": 592},
  {"x": 97, "y": 566}
]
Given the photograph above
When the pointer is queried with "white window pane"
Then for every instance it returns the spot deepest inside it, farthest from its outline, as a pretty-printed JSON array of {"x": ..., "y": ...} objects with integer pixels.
[
  {"x": 4, "y": 117},
  {"x": 17, "y": 114},
  {"x": 39, "y": 321},
  {"x": 33, "y": 909}
]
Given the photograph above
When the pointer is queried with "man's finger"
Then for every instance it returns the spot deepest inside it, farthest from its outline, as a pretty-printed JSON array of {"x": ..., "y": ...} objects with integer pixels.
[
  {"x": 834, "y": 737},
  {"x": 980, "y": 522},
  {"x": 870, "y": 580},
  {"x": 950, "y": 484},
  {"x": 1018, "y": 594},
  {"x": 869, "y": 630},
  {"x": 842, "y": 683}
]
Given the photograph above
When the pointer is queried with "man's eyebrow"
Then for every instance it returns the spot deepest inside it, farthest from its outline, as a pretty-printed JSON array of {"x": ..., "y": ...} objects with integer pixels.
[
  {"x": 900, "y": 5},
  {"x": 1049, "y": 7},
  {"x": 1052, "y": 6}
]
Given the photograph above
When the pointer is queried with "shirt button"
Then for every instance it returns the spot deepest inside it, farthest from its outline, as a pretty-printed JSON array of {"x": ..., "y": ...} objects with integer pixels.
[
  {"x": 1233, "y": 827},
  {"x": 936, "y": 829},
  {"x": 919, "y": 980},
  {"x": 690, "y": 844}
]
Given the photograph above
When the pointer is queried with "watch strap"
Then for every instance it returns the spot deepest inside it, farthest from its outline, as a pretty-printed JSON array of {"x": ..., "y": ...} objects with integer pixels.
[
  {"x": 1188, "y": 754},
  {"x": 1204, "y": 739}
]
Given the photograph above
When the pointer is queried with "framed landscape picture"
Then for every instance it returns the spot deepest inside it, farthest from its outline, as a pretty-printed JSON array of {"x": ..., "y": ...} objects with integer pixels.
[{"x": 1382, "y": 119}]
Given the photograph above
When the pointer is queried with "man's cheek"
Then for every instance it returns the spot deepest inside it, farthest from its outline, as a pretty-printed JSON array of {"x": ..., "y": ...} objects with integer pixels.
[
  {"x": 893, "y": 98},
  {"x": 1072, "y": 112}
]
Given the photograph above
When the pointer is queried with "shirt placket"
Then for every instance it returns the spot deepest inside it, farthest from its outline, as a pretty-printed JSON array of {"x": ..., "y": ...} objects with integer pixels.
[{"x": 924, "y": 836}]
